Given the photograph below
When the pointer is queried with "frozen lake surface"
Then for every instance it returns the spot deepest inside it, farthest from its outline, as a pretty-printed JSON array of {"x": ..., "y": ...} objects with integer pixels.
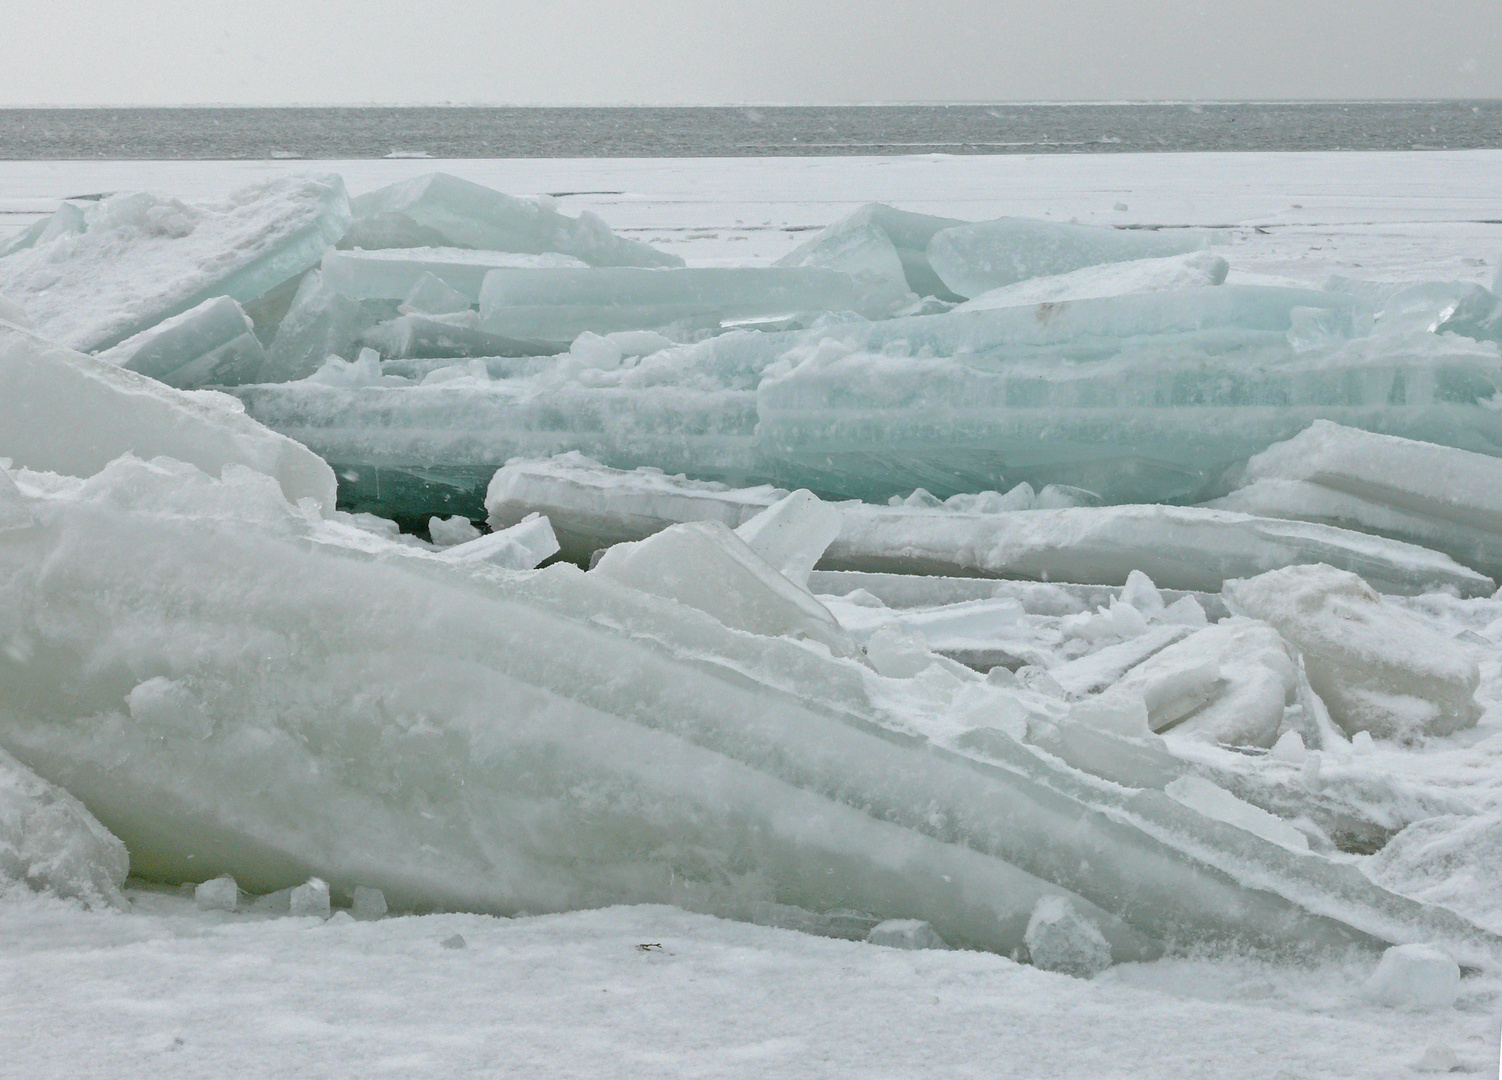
[{"x": 168, "y": 990}]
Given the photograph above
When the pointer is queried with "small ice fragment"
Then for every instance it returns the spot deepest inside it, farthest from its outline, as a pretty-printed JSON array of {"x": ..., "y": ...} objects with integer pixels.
[
  {"x": 219, "y": 894},
  {"x": 793, "y": 533},
  {"x": 309, "y": 898},
  {"x": 906, "y": 934},
  {"x": 1185, "y": 611},
  {"x": 168, "y": 708},
  {"x": 1290, "y": 748},
  {"x": 898, "y": 654},
  {"x": 363, "y": 371},
  {"x": 447, "y": 532},
  {"x": 431, "y": 295},
  {"x": 454, "y": 941},
  {"x": 1060, "y": 939},
  {"x": 704, "y": 565},
  {"x": 1063, "y": 497},
  {"x": 1414, "y": 977},
  {"x": 525, "y": 545},
  {"x": 859, "y": 597},
  {"x": 1361, "y": 742},
  {"x": 368, "y": 903},
  {"x": 1216, "y": 802},
  {"x": 1142, "y": 594},
  {"x": 594, "y": 351}
]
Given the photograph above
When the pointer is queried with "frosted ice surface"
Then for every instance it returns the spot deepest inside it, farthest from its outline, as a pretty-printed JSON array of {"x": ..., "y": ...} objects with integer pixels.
[
  {"x": 310, "y": 898},
  {"x": 69, "y": 413},
  {"x": 213, "y": 344},
  {"x": 217, "y": 894},
  {"x": 793, "y": 533},
  {"x": 560, "y": 304},
  {"x": 868, "y": 255},
  {"x": 143, "y": 258},
  {"x": 976, "y": 258},
  {"x": 1058, "y": 939},
  {"x": 1196, "y": 269},
  {"x": 13, "y": 313},
  {"x": 392, "y": 274},
  {"x": 1415, "y": 977},
  {"x": 906, "y": 934},
  {"x": 51, "y": 843},
  {"x": 1377, "y": 668},
  {"x": 706, "y": 566},
  {"x": 1216, "y": 802},
  {"x": 1442, "y": 498},
  {"x": 438, "y": 210},
  {"x": 1447, "y": 859},
  {"x": 66, "y": 220}
]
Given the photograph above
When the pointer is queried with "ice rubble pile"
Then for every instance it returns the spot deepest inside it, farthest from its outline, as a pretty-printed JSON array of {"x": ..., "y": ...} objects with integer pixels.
[{"x": 839, "y": 677}]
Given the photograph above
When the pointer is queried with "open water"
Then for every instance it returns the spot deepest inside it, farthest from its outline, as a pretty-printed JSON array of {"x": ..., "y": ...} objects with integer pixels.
[{"x": 460, "y": 132}]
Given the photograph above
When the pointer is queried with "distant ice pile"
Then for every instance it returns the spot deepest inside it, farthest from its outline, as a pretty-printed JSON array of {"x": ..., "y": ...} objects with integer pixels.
[{"x": 1002, "y": 585}]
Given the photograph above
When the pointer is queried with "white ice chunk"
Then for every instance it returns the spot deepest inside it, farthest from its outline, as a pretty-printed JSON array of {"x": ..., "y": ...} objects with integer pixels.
[
  {"x": 1289, "y": 749},
  {"x": 442, "y": 210},
  {"x": 1118, "y": 712},
  {"x": 976, "y": 258},
  {"x": 363, "y": 371},
  {"x": 367, "y": 903},
  {"x": 868, "y": 255},
  {"x": 521, "y": 547},
  {"x": 558, "y": 305},
  {"x": 1229, "y": 683},
  {"x": 50, "y": 842},
  {"x": 431, "y": 295},
  {"x": 1142, "y": 594},
  {"x": 793, "y": 533},
  {"x": 906, "y": 934},
  {"x": 1194, "y": 270},
  {"x": 211, "y": 344},
  {"x": 310, "y": 898},
  {"x": 68, "y": 413},
  {"x": 447, "y": 532},
  {"x": 319, "y": 323},
  {"x": 1446, "y": 499},
  {"x": 1215, "y": 802},
  {"x": 704, "y": 565},
  {"x": 143, "y": 258},
  {"x": 1377, "y": 668},
  {"x": 593, "y": 351},
  {"x": 217, "y": 894},
  {"x": 1414, "y": 977},
  {"x": 1059, "y": 939},
  {"x": 897, "y": 653},
  {"x": 392, "y": 274}
]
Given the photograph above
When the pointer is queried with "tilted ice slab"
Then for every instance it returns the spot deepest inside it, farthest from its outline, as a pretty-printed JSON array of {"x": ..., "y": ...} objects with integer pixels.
[
  {"x": 561, "y": 304},
  {"x": 863, "y": 243},
  {"x": 1185, "y": 548},
  {"x": 391, "y": 274},
  {"x": 66, "y": 220},
  {"x": 438, "y": 210},
  {"x": 143, "y": 259},
  {"x": 320, "y": 322},
  {"x": 69, "y": 413},
  {"x": 1446, "y": 499},
  {"x": 228, "y": 696},
  {"x": 214, "y": 344},
  {"x": 976, "y": 258},
  {"x": 1194, "y": 270}
]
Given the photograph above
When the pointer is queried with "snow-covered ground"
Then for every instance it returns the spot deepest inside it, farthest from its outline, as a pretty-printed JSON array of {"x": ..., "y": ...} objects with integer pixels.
[{"x": 164, "y": 989}]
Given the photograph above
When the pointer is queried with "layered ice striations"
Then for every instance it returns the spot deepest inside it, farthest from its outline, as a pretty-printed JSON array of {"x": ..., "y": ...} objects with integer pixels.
[{"x": 213, "y": 344}]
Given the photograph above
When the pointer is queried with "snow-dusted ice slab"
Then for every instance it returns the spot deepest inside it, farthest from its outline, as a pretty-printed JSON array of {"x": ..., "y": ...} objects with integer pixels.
[
  {"x": 438, "y": 210},
  {"x": 976, "y": 258},
  {"x": 561, "y": 304},
  {"x": 864, "y": 242},
  {"x": 50, "y": 842},
  {"x": 214, "y": 344},
  {"x": 144, "y": 258},
  {"x": 392, "y": 273},
  {"x": 1193, "y": 270},
  {"x": 462, "y": 737},
  {"x": 1186, "y": 548},
  {"x": 1442, "y": 498},
  {"x": 69, "y": 413}
]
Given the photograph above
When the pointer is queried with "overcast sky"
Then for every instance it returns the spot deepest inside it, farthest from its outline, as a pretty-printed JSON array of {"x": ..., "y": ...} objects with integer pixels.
[{"x": 88, "y": 52}]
